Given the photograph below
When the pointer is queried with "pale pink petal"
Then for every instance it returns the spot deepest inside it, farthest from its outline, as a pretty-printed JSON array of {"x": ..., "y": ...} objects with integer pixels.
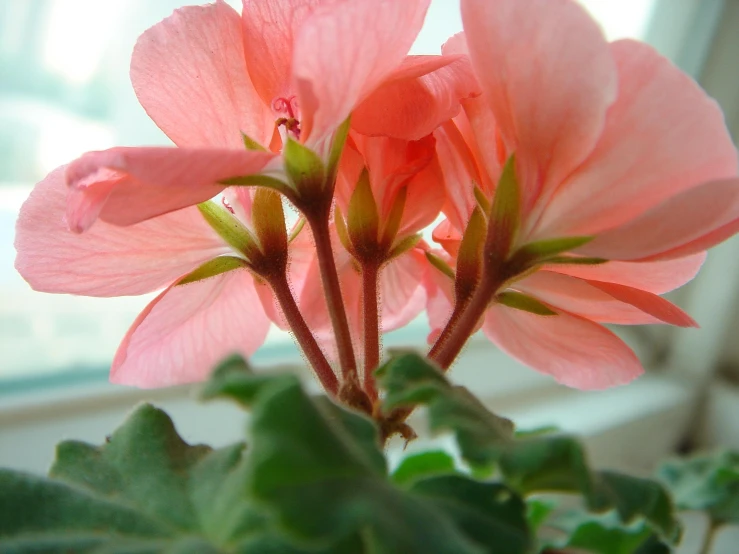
[
  {"x": 569, "y": 294},
  {"x": 663, "y": 136},
  {"x": 548, "y": 75},
  {"x": 344, "y": 51},
  {"x": 576, "y": 352},
  {"x": 187, "y": 330},
  {"x": 448, "y": 236},
  {"x": 679, "y": 220},
  {"x": 270, "y": 29},
  {"x": 189, "y": 74},
  {"x": 706, "y": 241},
  {"x": 107, "y": 260},
  {"x": 459, "y": 173},
  {"x": 424, "y": 201},
  {"x": 647, "y": 302},
  {"x": 402, "y": 294},
  {"x": 657, "y": 277},
  {"x": 439, "y": 297},
  {"x": 412, "y": 107},
  {"x": 150, "y": 181}
]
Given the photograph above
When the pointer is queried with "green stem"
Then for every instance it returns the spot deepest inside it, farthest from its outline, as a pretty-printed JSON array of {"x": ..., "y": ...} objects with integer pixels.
[
  {"x": 334, "y": 301},
  {"x": 303, "y": 334},
  {"x": 371, "y": 325}
]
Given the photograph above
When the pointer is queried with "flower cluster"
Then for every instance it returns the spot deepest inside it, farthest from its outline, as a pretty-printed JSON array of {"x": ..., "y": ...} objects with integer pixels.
[{"x": 575, "y": 181}]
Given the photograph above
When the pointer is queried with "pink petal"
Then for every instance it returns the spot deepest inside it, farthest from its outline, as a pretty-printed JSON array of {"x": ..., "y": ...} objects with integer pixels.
[
  {"x": 549, "y": 78},
  {"x": 150, "y": 181},
  {"x": 683, "y": 219},
  {"x": 412, "y": 107},
  {"x": 706, "y": 241},
  {"x": 647, "y": 302},
  {"x": 424, "y": 201},
  {"x": 184, "y": 332},
  {"x": 107, "y": 260},
  {"x": 448, "y": 236},
  {"x": 190, "y": 76},
  {"x": 663, "y": 136},
  {"x": 402, "y": 295},
  {"x": 576, "y": 352},
  {"x": 657, "y": 277},
  {"x": 270, "y": 30},
  {"x": 580, "y": 298},
  {"x": 344, "y": 51}
]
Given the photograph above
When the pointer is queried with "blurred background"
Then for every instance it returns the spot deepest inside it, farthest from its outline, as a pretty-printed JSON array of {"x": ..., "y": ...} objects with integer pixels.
[{"x": 64, "y": 89}]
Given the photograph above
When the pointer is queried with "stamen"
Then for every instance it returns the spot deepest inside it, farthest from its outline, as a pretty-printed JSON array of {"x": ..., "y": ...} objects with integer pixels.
[{"x": 227, "y": 205}]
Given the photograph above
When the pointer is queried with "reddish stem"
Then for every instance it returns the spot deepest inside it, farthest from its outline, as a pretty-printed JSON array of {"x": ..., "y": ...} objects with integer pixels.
[
  {"x": 303, "y": 334},
  {"x": 334, "y": 301},
  {"x": 371, "y": 320}
]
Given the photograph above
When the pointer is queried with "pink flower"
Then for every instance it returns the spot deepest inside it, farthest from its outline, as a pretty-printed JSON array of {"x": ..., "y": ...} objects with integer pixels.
[
  {"x": 210, "y": 77},
  {"x": 612, "y": 144},
  {"x": 284, "y": 69}
]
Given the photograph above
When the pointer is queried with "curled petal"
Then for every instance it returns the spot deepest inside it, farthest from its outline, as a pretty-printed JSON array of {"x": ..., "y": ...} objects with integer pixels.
[
  {"x": 679, "y": 221},
  {"x": 107, "y": 260},
  {"x": 548, "y": 77},
  {"x": 657, "y": 277},
  {"x": 412, "y": 107},
  {"x": 663, "y": 136},
  {"x": 189, "y": 73},
  {"x": 575, "y": 351},
  {"x": 124, "y": 186},
  {"x": 185, "y": 331},
  {"x": 344, "y": 51}
]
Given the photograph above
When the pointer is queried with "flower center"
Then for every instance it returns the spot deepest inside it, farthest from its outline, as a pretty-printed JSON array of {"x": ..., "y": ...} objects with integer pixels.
[{"x": 288, "y": 121}]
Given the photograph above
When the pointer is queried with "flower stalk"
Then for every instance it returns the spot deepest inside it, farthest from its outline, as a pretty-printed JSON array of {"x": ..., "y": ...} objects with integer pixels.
[{"x": 371, "y": 326}]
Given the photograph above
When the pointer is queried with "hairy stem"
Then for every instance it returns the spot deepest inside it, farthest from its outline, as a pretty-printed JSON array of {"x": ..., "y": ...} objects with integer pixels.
[
  {"x": 303, "y": 334},
  {"x": 443, "y": 338},
  {"x": 371, "y": 325},
  {"x": 335, "y": 302}
]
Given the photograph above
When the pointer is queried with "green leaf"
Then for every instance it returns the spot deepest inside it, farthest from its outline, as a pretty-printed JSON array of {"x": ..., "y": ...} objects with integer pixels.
[
  {"x": 144, "y": 490},
  {"x": 410, "y": 379},
  {"x": 505, "y": 215},
  {"x": 424, "y": 464},
  {"x": 304, "y": 169},
  {"x": 708, "y": 482},
  {"x": 492, "y": 514},
  {"x": 268, "y": 219},
  {"x": 313, "y": 466},
  {"x": 230, "y": 229},
  {"x": 523, "y": 302},
  {"x": 362, "y": 219},
  {"x": 440, "y": 264},
  {"x": 251, "y": 144},
  {"x": 216, "y": 266},
  {"x": 469, "y": 258}
]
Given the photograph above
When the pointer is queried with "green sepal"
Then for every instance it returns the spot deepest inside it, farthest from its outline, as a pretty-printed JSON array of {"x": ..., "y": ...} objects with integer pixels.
[
  {"x": 440, "y": 264},
  {"x": 469, "y": 257},
  {"x": 268, "y": 219},
  {"x": 342, "y": 231},
  {"x": 525, "y": 303},
  {"x": 482, "y": 201},
  {"x": 304, "y": 169},
  {"x": 575, "y": 260},
  {"x": 260, "y": 180},
  {"x": 403, "y": 246},
  {"x": 505, "y": 214},
  {"x": 296, "y": 229},
  {"x": 337, "y": 148},
  {"x": 362, "y": 218},
  {"x": 251, "y": 144},
  {"x": 395, "y": 218},
  {"x": 545, "y": 250},
  {"x": 216, "y": 266},
  {"x": 230, "y": 229}
]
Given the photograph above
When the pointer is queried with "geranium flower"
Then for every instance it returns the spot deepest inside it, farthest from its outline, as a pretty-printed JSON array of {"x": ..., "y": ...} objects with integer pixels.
[{"x": 616, "y": 155}]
